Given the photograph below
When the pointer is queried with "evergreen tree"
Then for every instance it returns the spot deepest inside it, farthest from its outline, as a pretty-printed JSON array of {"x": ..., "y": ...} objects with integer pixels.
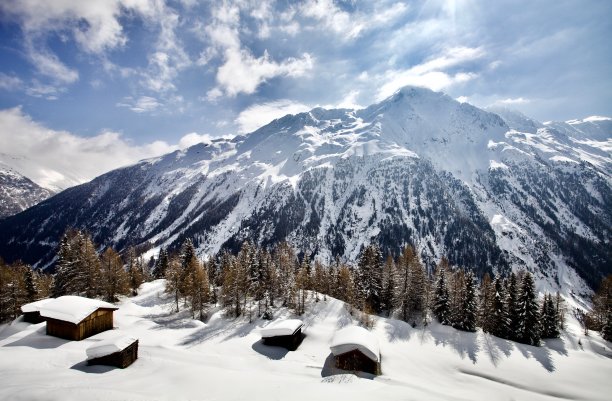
[
  {"x": 198, "y": 290},
  {"x": 389, "y": 273},
  {"x": 469, "y": 308},
  {"x": 369, "y": 278},
  {"x": 528, "y": 331},
  {"x": 161, "y": 265},
  {"x": 606, "y": 331},
  {"x": 31, "y": 290},
  {"x": 135, "y": 270},
  {"x": 65, "y": 269},
  {"x": 548, "y": 318},
  {"x": 500, "y": 320},
  {"x": 512, "y": 291},
  {"x": 441, "y": 307}
]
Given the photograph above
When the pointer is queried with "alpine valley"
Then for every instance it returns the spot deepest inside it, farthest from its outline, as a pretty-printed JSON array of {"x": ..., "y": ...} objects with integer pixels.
[{"x": 491, "y": 190}]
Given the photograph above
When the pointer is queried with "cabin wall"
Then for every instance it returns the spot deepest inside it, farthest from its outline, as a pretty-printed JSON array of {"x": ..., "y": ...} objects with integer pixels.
[
  {"x": 121, "y": 359},
  {"x": 99, "y": 321},
  {"x": 291, "y": 342},
  {"x": 357, "y": 362}
]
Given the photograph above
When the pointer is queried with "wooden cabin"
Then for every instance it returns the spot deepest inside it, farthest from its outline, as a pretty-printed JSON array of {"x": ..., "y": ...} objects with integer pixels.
[
  {"x": 286, "y": 333},
  {"x": 75, "y": 318},
  {"x": 31, "y": 311},
  {"x": 357, "y": 350},
  {"x": 120, "y": 352}
]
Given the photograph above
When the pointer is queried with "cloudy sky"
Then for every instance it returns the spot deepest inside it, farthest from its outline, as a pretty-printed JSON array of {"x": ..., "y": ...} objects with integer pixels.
[{"x": 136, "y": 78}]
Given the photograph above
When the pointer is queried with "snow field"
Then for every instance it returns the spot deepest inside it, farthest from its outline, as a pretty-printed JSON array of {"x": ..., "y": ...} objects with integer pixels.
[{"x": 224, "y": 359}]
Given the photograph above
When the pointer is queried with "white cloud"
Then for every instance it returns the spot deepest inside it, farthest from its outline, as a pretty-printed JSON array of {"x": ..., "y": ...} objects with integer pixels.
[
  {"x": 258, "y": 115},
  {"x": 193, "y": 138},
  {"x": 510, "y": 101},
  {"x": 49, "y": 65},
  {"x": 60, "y": 159},
  {"x": 143, "y": 104},
  {"x": 9, "y": 82},
  {"x": 243, "y": 73},
  {"x": 40, "y": 90},
  {"x": 462, "y": 99},
  {"x": 431, "y": 73},
  {"x": 349, "y": 101}
]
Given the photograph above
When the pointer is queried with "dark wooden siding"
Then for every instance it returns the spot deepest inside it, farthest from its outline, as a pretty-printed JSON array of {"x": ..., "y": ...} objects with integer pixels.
[
  {"x": 99, "y": 321},
  {"x": 33, "y": 317},
  {"x": 356, "y": 361},
  {"x": 291, "y": 342},
  {"x": 121, "y": 359}
]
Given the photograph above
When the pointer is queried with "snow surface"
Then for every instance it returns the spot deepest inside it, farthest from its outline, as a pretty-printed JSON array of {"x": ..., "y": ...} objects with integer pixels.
[
  {"x": 72, "y": 308},
  {"x": 355, "y": 338},
  {"x": 35, "y": 306},
  {"x": 281, "y": 327},
  {"x": 225, "y": 359},
  {"x": 110, "y": 346}
]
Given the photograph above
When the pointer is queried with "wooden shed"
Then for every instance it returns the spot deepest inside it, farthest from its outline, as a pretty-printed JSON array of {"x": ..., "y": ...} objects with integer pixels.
[
  {"x": 120, "y": 352},
  {"x": 31, "y": 311},
  {"x": 356, "y": 349},
  {"x": 75, "y": 318},
  {"x": 286, "y": 333}
]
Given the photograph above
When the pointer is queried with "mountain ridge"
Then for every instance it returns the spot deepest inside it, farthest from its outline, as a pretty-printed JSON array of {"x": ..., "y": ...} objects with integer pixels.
[{"x": 418, "y": 167}]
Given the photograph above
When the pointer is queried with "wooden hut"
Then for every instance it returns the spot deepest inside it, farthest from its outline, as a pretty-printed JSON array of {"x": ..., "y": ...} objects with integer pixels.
[
  {"x": 31, "y": 311},
  {"x": 286, "y": 333},
  {"x": 120, "y": 352},
  {"x": 356, "y": 349},
  {"x": 75, "y": 318}
]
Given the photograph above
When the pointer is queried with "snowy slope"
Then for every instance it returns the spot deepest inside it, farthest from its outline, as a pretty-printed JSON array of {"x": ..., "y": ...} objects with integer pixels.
[
  {"x": 224, "y": 359},
  {"x": 489, "y": 191},
  {"x": 17, "y": 192}
]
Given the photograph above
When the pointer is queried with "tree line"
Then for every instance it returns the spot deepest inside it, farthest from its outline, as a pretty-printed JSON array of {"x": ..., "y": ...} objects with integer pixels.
[{"x": 255, "y": 281}]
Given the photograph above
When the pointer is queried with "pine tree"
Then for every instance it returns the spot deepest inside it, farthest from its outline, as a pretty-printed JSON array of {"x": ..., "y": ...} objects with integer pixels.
[
  {"x": 161, "y": 265},
  {"x": 500, "y": 320},
  {"x": 30, "y": 284},
  {"x": 389, "y": 273},
  {"x": 469, "y": 307},
  {"x": 441, "y": 307},
  {"x": 173, "y": 273},
  {"x": 369, "y": 277},
  {"x": 135, "y": 270},
  {"x": 487, "y": 310},
  {"x": 528, "y": 311},
  {"x": 198, "y": 290},
  {"x": 65, "y": 269},
  {"x": 115, "y": 280},
  {"x": 512, "y": 291},
  {"x": 548, "y": 318},
  {"x": 606, "y": 331}
]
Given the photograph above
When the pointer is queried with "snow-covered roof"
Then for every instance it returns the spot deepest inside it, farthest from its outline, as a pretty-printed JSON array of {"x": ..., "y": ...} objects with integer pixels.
[
  {"x": 72, "y": 308},
  {"x": 110, "y": 346},
  {"x": 283, "y": 327},
  {"x": 355, "y": 338},
  {"x": 35, "y": 306}
]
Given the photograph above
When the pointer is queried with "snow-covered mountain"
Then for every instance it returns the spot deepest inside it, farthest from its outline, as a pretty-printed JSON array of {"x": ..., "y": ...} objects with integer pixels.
[
  {"x": 490, "y": 191},
  {"x": 18, "y": 192}
]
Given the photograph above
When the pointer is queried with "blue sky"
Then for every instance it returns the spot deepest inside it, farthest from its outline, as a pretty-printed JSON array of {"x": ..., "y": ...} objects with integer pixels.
[{"x": 154, "y": 75}]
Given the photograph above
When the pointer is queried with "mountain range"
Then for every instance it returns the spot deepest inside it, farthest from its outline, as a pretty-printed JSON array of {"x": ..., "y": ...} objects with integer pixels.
[
  {"x": 18, "y": 192},
  {"x": 490, "y": 189}
]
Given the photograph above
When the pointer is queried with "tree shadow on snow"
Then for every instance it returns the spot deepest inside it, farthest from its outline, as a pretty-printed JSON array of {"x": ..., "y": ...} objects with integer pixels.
[
  {"x": 97, "y": 369},
  {"x": 540, "y": 354},
  {"x": 330, "y": 369},
  {"x": 496, "y": 348},
  {"x": 220, "y": 326},
  {"x": 398, "y": 330},
  {"x": 463, "y": 342},
  {"x": 174, "y": 320},
  {"x": 39, "y": 340}
]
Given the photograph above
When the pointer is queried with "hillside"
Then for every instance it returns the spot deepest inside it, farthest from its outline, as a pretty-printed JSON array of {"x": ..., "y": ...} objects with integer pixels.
[
  {"x": 180, "y": 358},
  {"x": 491, "y": 192},
  {"x": 17, "y": 192}
]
